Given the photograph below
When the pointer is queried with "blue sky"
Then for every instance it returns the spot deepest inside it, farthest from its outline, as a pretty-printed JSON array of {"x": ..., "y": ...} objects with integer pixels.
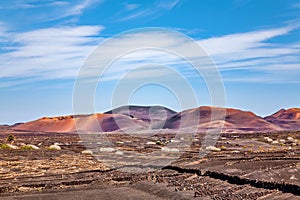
[{"x": 254, "y": 44}]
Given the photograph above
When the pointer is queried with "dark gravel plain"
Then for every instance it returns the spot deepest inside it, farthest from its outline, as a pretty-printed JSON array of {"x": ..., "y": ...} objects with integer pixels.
[{"x": 244, "y": 166}]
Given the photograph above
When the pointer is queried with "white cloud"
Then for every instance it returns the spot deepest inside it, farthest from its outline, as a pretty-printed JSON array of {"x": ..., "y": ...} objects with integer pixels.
[
  {"x": 141, "y": 13},
  {"x": 59, "y": 3},
  {"x": 241, "y": 41},
  {"x": 134, "y": 11},
  {"x": 252, "y": 50},
  {"x": 55, "y": 10},
  {"x": 78, "y": 9},
  {"x": 49, "y": 53},
  {"x": 169, "y": 4},
  {"x": 58, "y": 53},
  {"x": 4, "y": 35},
  {"x": 21, "y": 4}
]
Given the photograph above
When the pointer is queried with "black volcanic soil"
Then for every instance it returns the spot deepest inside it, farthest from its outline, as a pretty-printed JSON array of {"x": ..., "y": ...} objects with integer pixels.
[{"x": 247, "y": 167}]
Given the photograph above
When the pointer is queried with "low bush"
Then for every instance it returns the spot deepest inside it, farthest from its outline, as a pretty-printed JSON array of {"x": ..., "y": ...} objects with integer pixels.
[
  {"x": 8, "y": 146},
  {"x": 4, "y": 146},
  {"x": 29, "y": 147}
]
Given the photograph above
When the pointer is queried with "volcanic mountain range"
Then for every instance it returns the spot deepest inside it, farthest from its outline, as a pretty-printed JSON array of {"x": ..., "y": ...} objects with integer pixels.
[{"x": 137, "y": 118}]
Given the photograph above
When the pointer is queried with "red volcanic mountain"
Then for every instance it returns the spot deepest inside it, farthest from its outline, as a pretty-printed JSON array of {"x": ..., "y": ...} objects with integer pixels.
[
  {"x": 145, "y": 113},
  {"x": 126, "y": 117},
  {"x": 50, "y": 124},
  {"x": 147, "y": 117},
  {"x": 287, "y": 119},
  {"x": 206, "y": 117},
  {"x": 152, "y": 116},
  {"x": 90, "y": 123}
]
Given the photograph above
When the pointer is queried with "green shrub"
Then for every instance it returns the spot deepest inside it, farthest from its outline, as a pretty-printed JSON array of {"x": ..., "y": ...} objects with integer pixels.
[
  {"x": 159, "y": 143},
  {"x": 26, "y": 147},
  {"x": 4, "y": 146}
]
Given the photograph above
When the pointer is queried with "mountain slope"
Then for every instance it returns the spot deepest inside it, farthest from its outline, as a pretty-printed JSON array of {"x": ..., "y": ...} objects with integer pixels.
[
  {"x": 90, "y": 123},
  {"x": 287, "y": 119},
  {"x": 145, "y": 113},
  {"x": 126, "y": 117},
  {"x": 155, "y": 117},
  {"x": 234, "y": 120}
]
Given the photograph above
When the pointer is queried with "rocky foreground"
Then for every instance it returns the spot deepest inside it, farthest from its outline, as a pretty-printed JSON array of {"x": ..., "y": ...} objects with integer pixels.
[{"x": 241, "y": 166}]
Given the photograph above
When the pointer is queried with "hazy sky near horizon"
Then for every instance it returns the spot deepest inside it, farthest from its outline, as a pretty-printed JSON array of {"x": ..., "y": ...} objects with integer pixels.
[{"x": 254, "y": 44}]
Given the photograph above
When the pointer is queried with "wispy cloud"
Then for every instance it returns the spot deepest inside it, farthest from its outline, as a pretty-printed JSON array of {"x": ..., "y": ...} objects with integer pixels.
[
  {"x": 58, "y": 53},
  {"x": 4, "y": 35},
  {"x": 78, "y": 8},
  {"x": 72, "y": 10},
  {"x": 49, "y": 53},
  {"x": 156, "y": 9},
  {"x": 141, "y": 13},
  {"x": 21, "y": 4},
  {"x": 56, "y": 10},
  {"x": 131, "y": 6},
  {"x": 248, "y": 52},
  {"x": 241, "y": 41},
  {"x": 169, "y": 4},
  {"x": 59, "y": 3},
  {"x": 252, "y": 50},
  {"x": 254, "y": 57}
]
